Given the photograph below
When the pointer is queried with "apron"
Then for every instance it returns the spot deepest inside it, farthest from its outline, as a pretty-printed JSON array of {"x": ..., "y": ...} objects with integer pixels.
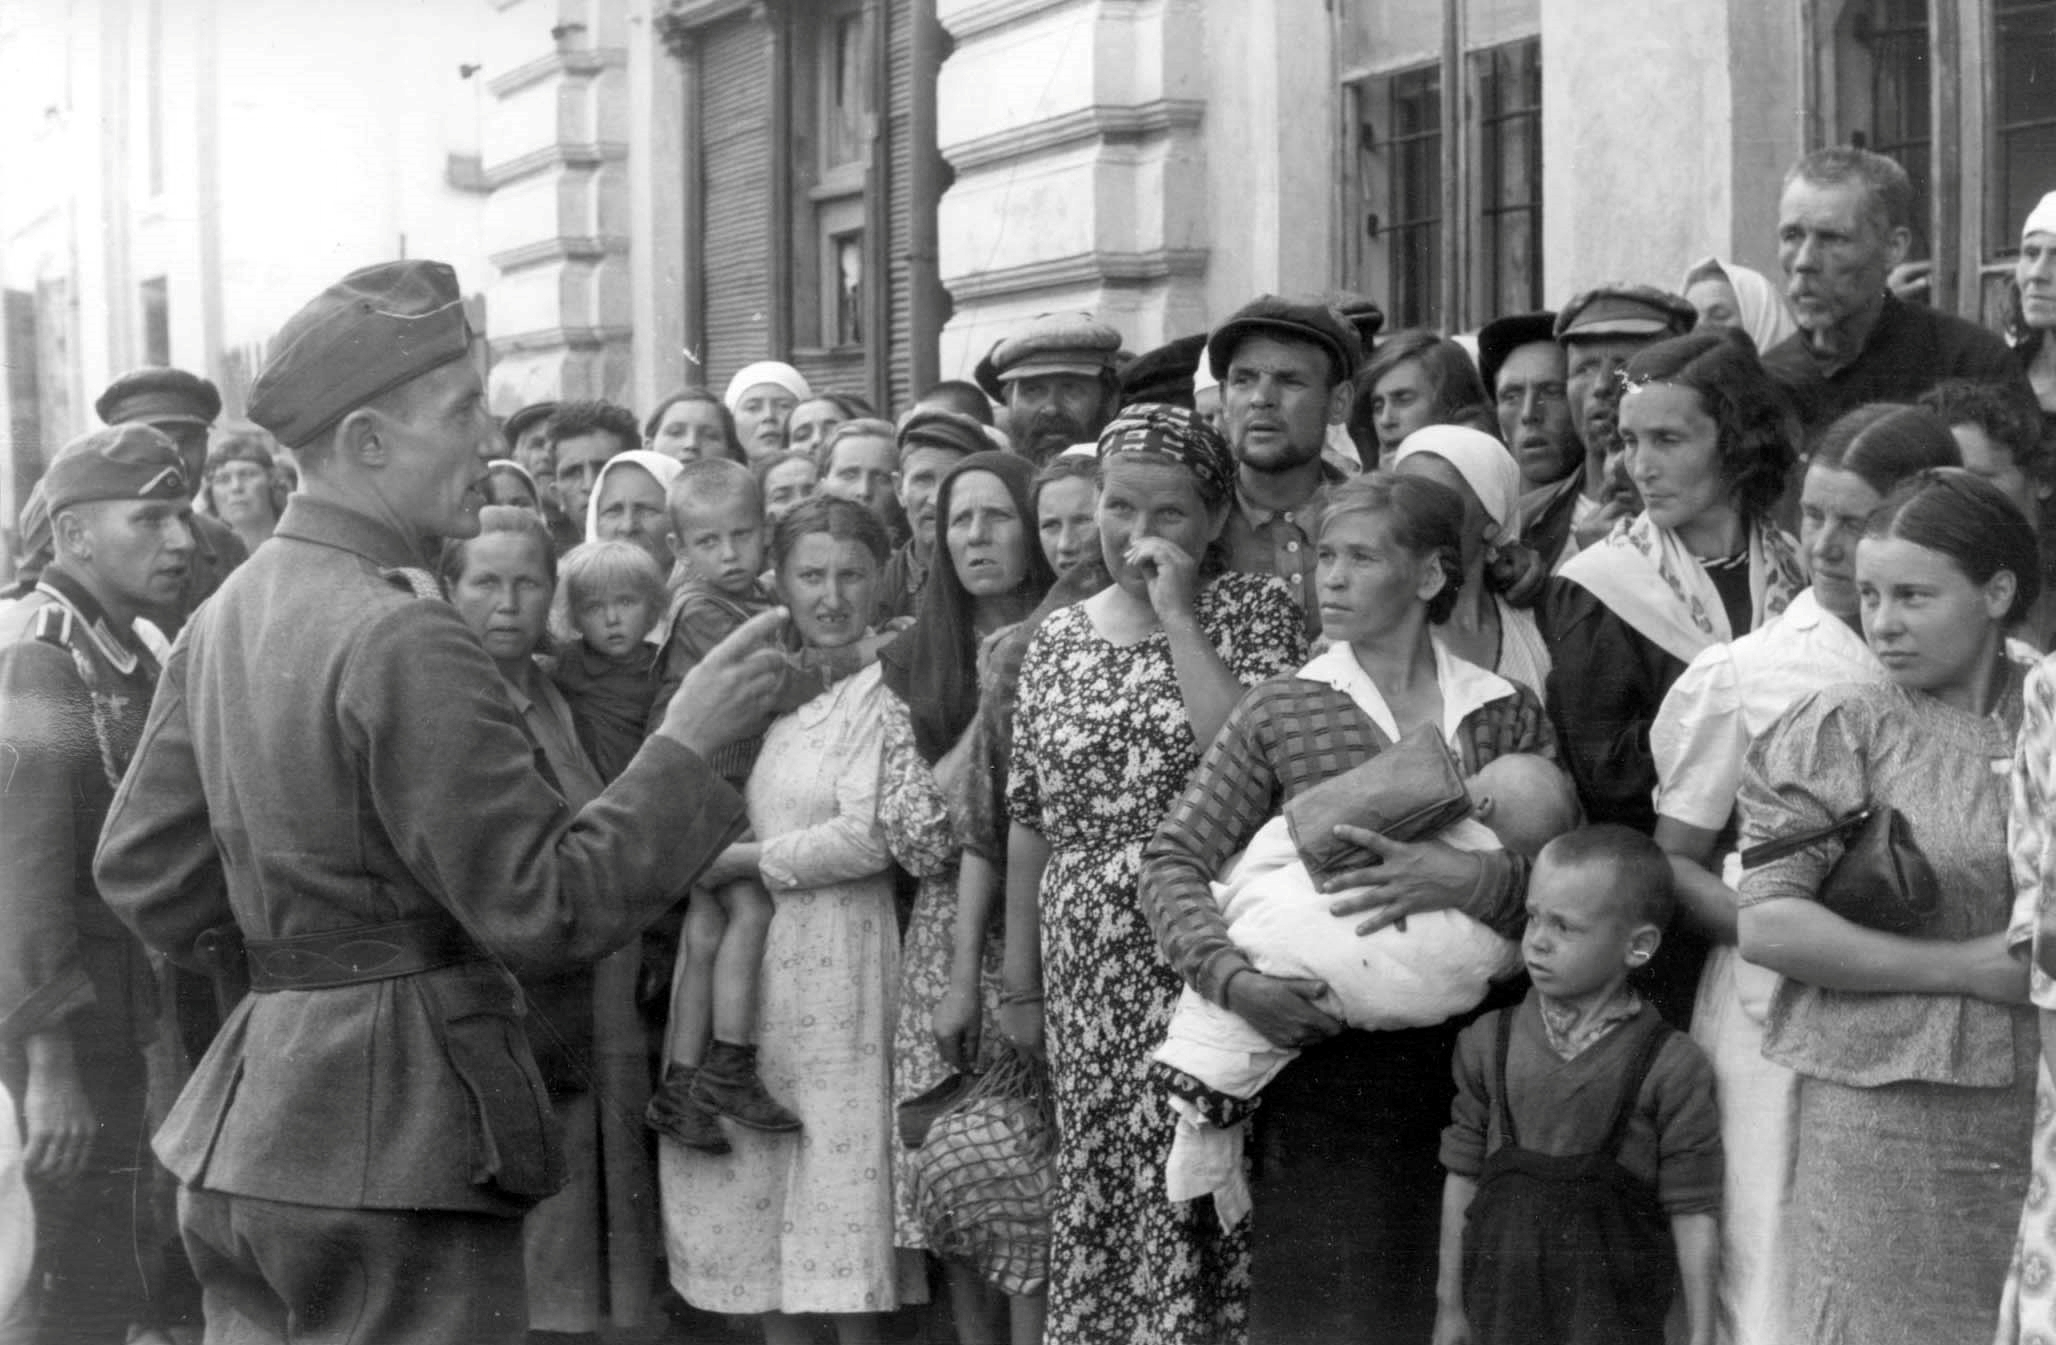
[{"x": 1567, "y": 1249}]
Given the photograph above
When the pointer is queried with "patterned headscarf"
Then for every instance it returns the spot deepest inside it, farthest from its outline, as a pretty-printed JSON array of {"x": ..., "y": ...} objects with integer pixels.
[{"x": 1179, "y": 433}]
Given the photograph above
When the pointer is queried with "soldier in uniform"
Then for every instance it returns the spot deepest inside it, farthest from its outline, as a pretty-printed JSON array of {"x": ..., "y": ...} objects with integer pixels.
[
  {"x": 76, "y": 996},
  {"x": 359, "y": 1144},
  {"x": 181, "y": 406}
]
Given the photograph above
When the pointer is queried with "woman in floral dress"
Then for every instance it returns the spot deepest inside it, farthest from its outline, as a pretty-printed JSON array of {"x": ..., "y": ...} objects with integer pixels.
[
  {"x": 995, "y": 575},
  {"x": 1118, "y": 696}
]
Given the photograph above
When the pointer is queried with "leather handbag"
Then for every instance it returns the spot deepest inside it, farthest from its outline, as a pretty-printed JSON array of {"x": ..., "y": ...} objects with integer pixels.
[
  {"x": 1412, "y": 789},
  {"x": 1882, "y": 881}
]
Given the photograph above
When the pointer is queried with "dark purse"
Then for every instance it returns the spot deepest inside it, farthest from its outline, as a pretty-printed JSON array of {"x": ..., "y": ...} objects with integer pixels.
[
  {"x": 1881, "y": 882},
  {"x": 1413, "y": 788}
]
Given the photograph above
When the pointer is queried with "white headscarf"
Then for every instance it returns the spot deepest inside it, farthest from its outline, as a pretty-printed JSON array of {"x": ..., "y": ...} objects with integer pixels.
[
  {"x": 1759, "y": 305},
  {"x": 1484, "y": 464},
  {"x": 765, "y": 371},
  {"x": 2042, "y": 219},
  {"x": 664, "y": 469}
]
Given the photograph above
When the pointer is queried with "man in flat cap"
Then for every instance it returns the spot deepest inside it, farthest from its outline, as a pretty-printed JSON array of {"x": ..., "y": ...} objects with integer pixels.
[
  {"x": 1600, "y": 331},
  {"x": 931, "y": 441},
  {"x": 1287, "y": 370},
  {"x": 183, "y": 406},
  {"x": 1061, "y": 382},
  {"x": 77, "y": 1001},
  {"x": 1525, "y": 372},
  {"x": 331, "y": 743},
  {"x": 1844, "y": 222}
]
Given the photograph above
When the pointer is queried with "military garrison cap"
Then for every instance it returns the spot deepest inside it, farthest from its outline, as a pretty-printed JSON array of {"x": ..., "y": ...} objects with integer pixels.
[
  {"x": 129, "y": 461},
  {"x": 1057, "y": 343},
  {"x": 368, "y": 333},
  {"x": 157, "y": 395}
]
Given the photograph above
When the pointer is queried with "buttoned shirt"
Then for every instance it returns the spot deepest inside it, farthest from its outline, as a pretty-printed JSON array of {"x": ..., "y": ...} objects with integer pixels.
[{"x": 1281, "y": 541}]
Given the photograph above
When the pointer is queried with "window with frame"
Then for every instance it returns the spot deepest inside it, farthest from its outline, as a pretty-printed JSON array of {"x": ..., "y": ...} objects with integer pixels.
[
  {"x": 1509, "y": 252},
  {"x": 1413, "y": 152},
  {"x": 1885, "y": 61},
  {"x": 2021, "y": 142},
  {"x": 831, "y": 127}
]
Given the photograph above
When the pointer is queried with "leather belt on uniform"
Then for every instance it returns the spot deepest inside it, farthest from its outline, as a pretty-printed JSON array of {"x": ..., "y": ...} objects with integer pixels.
[{"x": 356, "y": 955}]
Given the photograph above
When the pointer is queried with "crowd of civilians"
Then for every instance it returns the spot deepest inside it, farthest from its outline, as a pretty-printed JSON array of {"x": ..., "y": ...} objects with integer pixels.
[{"x": 1066, "y": 647}]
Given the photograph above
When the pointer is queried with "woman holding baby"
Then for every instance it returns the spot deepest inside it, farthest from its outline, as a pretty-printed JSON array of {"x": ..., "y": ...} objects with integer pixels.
[{"x": 1347, "y": 1190}]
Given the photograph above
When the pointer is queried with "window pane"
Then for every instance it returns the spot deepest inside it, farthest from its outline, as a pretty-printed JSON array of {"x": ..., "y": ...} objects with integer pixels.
[
  {"x": 1901, "y": 70},
  {"x": 845, "y": 89},
  {"x": 847, "y": 282},
  {"x": 1507, "y": 277},
  {"x": 2023, "y": 142},
  {"x": 1416, "y": 253}
]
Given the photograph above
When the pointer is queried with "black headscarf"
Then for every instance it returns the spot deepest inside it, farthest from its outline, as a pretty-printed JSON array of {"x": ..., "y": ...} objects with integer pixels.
[{"x": 933, "y": 667}]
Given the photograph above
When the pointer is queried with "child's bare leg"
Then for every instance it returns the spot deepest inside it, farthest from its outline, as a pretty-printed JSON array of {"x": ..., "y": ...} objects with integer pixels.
[
  {"x": 692, "y": 981},
  {"x": 746, "y": 907},
  {"x": 728, "y": 1083}
]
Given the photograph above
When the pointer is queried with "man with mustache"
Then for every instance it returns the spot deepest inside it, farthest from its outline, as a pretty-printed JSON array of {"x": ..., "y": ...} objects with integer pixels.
[
  {"x": 77, "y": 994},
  {"x": 1844, "y": 221},
  {"x": 1286, "y": 369},
  {"x": 1059, "y": 380},
  {"x": 1600, "y": 331}
]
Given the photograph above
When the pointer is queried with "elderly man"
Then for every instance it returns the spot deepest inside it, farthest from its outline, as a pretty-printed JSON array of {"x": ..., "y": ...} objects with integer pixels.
[
  {"x": 331, "y": 743},
  {"x": 1060, "y": 383},
  {"x": 1600, "y": 331},
  {"x": 931, "y": 441},
  {"x": 1844, "y": 221},
  {"x": 77, "y": 999},
  {"x": 1286, "y": 369},
  {"x": 584, "y": 437},
  {"x": 1527, "y": 374}
]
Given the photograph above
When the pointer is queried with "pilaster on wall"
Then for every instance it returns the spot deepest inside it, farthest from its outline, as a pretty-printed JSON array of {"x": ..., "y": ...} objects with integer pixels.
[
  {"x": 1074, "y": 130},
  {"x": 555, "y": 167}
]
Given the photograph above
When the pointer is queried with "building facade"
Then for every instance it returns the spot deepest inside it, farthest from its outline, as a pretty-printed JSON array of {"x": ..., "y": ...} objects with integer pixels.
[{"x": 645, "y": 194}]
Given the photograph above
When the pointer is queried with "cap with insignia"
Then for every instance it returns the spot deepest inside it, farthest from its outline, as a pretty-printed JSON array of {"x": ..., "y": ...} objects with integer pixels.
[
  {"x": 363, "y": 336},
  {"x": 937, "y": 427},
  {"x": 1305, "y": 320},
  {"x": 1501, "y": 337},
  {"x": 156, "y": 395},
  {"x": 1625, "y": 310},
  {"x": 128, "y": 461},
  {"x": 1057, "y": 343}
]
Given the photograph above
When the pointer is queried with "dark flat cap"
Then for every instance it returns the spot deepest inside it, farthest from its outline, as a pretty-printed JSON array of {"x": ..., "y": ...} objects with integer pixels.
[
  {"x": 1625, "y": 310},
  {"x": 1307, "y": 320},
  {"x": 939, "y": 427},
  {"x": 363, "y": 336},
  {"x": 525, "y": 417},
  {"x": 1164, "y": 374},
  {"x": 1057, "y": 343},
  {"x": 1503, "y": 336},
  {"x": 987, "y": 377},
  {"x": 1359, "y": 311},
  {"x": 156, "y": 395},
  {"x": 129, "y": 461}
]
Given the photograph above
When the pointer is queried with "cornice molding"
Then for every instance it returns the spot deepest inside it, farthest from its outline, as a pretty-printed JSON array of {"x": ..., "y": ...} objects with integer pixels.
[
  {"x": 1119, "y": 269},
  {"x": 1102, "y": 121},
  {"x": 977, "y": 20},
  {"x": 560, "y": 338},
  {"x": 542, "y": 160},
  {"x": 582, "y": 64},
  {"x": 564, "y": 248}
]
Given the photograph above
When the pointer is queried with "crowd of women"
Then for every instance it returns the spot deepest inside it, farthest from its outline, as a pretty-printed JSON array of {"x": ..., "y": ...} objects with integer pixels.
[{"x": 997, "y": 836}]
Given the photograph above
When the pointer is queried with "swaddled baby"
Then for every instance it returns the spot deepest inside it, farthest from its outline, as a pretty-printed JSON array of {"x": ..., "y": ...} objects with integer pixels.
[{"x": 1438, "y": 965}]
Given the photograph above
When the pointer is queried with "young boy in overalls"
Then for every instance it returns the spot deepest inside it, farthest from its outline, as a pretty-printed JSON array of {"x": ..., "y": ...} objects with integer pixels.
[{"x": 1583, "y": 1147}]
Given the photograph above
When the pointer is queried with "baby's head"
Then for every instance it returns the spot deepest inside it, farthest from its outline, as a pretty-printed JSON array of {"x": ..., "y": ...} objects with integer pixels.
[
  {"x": 1599, "y": 899},
  {"x": 1524, "y": 800},
  {"x": 609, "y": 594},
  {"x": 717, "y": 524}
]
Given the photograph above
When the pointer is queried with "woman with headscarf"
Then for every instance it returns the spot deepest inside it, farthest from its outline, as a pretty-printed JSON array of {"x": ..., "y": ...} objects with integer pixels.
[
  {"x": 508, "y": 482},
  {"x": 628, "y": 503},
  {"x": 1484, "y": 628},
  {"x": 762, "y": 397},
  {"x": 989, "y": 574},
  {"x": 1729, "y": 295},
  {"x": 2031, "y": 320},
  {"x": 1119, "y": 695}
]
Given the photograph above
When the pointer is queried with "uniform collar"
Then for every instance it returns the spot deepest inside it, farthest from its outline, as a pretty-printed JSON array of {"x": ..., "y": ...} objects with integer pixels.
[
  {"x": 123, "y": 653},
  {"x": 326, "y": 524}
]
